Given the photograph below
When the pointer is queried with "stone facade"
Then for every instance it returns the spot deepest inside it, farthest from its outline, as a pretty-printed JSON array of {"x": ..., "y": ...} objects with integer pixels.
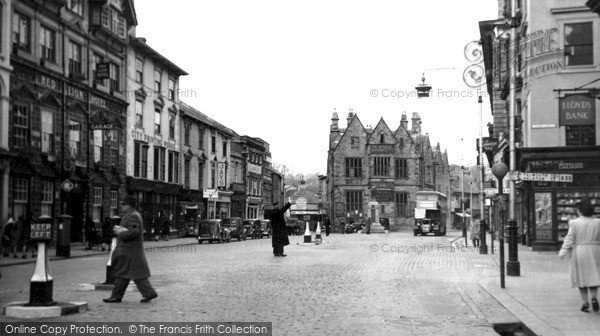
[{"x": 375, "y": 172}]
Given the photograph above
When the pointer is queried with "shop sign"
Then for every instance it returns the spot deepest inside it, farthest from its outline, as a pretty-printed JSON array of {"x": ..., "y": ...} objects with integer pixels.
[
  {"x": 97, "y": 101},
  {"x": 252, "y": 168},
  {"x": 212, "y": 194},
  {"x": 152, "y": 139},
  {"x": 382, "y": 185},
  {"x": 221, "y": 174},
  {"x": 558, "y": 165},
  {"x": 47, "y": 82},
  {"x": 489, "y": 144},
  {"x": 105, "y": 126},
  {"x": 382, "y": 149},
  {"x": 543, "y": 177},
  {"x": 577, "y": 109}
]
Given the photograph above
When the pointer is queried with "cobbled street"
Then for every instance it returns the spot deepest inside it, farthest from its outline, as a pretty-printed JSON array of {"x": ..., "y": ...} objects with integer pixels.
[{"x": 354, "y": 284}]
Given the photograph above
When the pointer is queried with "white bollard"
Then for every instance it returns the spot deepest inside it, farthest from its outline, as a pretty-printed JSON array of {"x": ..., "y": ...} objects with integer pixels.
[
  {"x": 318, "y": 232},
  {"x": 307, "y": 235}
]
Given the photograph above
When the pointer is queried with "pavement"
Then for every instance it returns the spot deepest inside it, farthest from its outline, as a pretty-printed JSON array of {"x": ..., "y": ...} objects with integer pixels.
[{"x": 541, "y": 298}]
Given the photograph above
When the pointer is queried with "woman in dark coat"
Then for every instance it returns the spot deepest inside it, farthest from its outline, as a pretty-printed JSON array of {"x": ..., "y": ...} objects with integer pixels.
[
  {"x": 280, "y": 236},
  {"x": 128, "y": 259}
]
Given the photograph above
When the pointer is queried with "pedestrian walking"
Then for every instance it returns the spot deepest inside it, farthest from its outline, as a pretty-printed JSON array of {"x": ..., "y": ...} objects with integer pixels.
[
  {"x": 16, "y": 243},
  {"x": 166, "y": 226},
  {"x": 28, "y": 244},
  {"x": 280, "y": 236},
  {"x": 327, "y": 226},
  {"x": 89, "y": 229},
  {"x": 128, "y": 259},
  {"x": 582, "y": 244},
  {"x": 7, "y": 234},
  {"x": 475, "y": 224}
]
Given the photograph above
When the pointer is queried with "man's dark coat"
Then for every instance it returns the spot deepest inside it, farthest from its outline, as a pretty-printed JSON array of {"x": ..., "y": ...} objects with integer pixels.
[{"x": 280, "y": 236}]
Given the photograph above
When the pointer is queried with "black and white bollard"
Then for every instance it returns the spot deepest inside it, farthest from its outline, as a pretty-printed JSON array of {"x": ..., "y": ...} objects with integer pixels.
[
  {"x": 41, "y": 288},
  {"x": 318, "y": 232},
  {"x": 307, "y": 235}
]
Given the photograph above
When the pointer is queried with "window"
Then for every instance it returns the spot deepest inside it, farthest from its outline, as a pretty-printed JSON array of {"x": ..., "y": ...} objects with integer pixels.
[
  {"x": 21, "y": 125},
  {"x": 140, "y": 158},
  {"x": 114, "y": 203},
  {"x": 74, "y": 138},
  {"x": 157, "y": 87},
  {"x": 381, "y": 138},
  {"x": 115, "y": 77},
  {"x": 75, "y": 58},
  {"x": 157, "y": 117},
  {"x": 21, "y": 32},
  {"x": 353, "y": 167},
  {"x": 20, "y": 196},
  {"x": 200, "y": 137},
  {"x": 213, "y": 175},
  {"x": 354, "y": 201},
  {"x": 171, "y": 126},
  {"x": 224, "y": 148},
  {"x": 354, "y": 141},
  {"x": 139, "y": 113},
  {"x": 401, "y": 142},
  {"x": 113, "y": 21},
  {"x": 200, "y": 175},
  {"x": 579, "y": 44},
  {"x": 213, "y": 142},
  {"x": 171, "y": 88},
  {"x": 48, "y": 43},
  {"x": 173, "y": 174},
  {"x": 159, "y": 163},
  {"x": 381, "y": 166},
  {"x": 75, "y": 6},
  {"x": 112, "y": 142},
  {"x": 401, "y": 168},
  {"x": 97, "y": 59},
  {"x": 401, "y": 204},
  {"x": 186, "y": 173},
  {"x": 97, "y": 205},
  {"x": 139, "y": 69},
  {"x": 98, "y": 142},
  {"x": 47, "y": 198},
  {"x": 186, "y": 132},
  {"x": 47, "y": 132},
  {"x": 580, "y": 135}
]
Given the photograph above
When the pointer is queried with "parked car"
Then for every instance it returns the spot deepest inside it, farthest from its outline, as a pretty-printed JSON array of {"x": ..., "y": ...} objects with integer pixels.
[
  {"x": 252, "y": 228},
  {"x": 236, "y": 228},
  {"x": 191, "y": 228},
  {"x": 212, "y": 230},
  {"x": 265, "y": 227},
  {"x": 354, "y": 227}
]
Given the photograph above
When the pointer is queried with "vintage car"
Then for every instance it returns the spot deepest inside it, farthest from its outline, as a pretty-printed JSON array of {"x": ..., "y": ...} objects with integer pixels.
[
  {"x": 212, "y": 230},
  {"x": 425, "y": 225},
  {"x": 236, "y": 228},
  {"x": 252, "y": 228},
  {"x": 265, "y": 228},
  {"x": 294, "y": 226}
]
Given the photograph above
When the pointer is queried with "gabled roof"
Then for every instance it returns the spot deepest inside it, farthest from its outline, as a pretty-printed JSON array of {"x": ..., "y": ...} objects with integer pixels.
[
  {"x": 382, "y": 126},
  {"x": 352, "y": 122},
  {"x": 139, "y": 43},
  {"x": 195, "y": 114}
]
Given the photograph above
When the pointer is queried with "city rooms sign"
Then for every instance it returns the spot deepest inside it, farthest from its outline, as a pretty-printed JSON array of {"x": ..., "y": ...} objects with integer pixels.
[{"x": 577, "y": 109}]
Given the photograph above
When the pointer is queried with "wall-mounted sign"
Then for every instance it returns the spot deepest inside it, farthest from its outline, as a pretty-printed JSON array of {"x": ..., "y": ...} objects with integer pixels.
[
  {"x": 382, "y": 149},
  {"x": 67, "y": 185},
  {"x": 212, "y": 194},
  {"x": 221, "y": 174},
  {"x": 104, "y": 126},
  {"x": 577, "y": 109},
  {"x": 102, "y": 71},
  {"x": 252, "y": 168},
  {"x": 489, "y": 144}
]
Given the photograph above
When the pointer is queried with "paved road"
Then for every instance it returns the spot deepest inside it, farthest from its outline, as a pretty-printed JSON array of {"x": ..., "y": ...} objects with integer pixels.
[{"x": 350, "y": 285}]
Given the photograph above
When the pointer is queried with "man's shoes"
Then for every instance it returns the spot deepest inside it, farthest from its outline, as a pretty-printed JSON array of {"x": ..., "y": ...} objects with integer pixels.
[
  {"x": 112, "y": 300},
  {"x": 281, "y": 255},
  {"x": 149, "y": 298}
]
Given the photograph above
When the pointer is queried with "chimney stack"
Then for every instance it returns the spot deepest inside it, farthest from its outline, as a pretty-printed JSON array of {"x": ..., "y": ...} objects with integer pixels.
[
  {"x": 350, "y": 116},
  {"x": 416, "y": 123},
  {"x": 334, "y": 121}
]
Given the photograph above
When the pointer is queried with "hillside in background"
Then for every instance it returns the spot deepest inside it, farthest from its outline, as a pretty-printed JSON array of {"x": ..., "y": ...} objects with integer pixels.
[{"x": 312, "y": 181}]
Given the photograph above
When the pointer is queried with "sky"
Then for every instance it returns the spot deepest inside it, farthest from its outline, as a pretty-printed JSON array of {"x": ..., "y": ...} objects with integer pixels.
[{"x": 277, "y": 69}]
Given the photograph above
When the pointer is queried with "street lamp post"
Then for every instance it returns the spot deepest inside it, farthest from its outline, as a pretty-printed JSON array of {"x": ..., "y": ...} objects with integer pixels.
[
  {"x": 462, "y": 204},
  {"x": 499, "y": 170},
  {"x": 483, "y": 249}
]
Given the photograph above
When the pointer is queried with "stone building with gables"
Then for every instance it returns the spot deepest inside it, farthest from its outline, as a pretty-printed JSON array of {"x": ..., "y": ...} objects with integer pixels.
[{"x": 375, "y": 172}]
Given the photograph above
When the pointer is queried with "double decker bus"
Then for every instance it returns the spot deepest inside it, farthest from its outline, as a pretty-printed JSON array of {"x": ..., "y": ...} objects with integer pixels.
[{"x": 431, "y": 213}]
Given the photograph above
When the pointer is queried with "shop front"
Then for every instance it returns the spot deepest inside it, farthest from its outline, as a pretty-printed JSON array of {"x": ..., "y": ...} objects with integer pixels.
[
  {"x": 154, "y": 197},
  {"x": 552, "y": 181}
]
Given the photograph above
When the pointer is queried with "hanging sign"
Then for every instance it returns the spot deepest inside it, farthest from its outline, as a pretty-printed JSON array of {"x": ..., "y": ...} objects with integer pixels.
[{"x": 577, "y": 109}]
